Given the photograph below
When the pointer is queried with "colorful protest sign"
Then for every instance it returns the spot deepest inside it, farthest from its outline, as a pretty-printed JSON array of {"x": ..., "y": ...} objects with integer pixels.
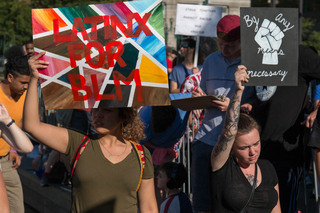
[
  {"x": 110, "y": 55},
  {"x": 269, "y": 45},
  {"x": 197, "y": 20}
]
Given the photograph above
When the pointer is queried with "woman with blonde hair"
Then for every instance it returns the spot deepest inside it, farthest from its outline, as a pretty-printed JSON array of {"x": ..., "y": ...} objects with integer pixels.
[{"x": 241, "y": 182}]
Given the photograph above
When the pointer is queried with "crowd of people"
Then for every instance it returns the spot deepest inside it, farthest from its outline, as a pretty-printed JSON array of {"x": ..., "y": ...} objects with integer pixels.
[{"x": 247, "y": 153}]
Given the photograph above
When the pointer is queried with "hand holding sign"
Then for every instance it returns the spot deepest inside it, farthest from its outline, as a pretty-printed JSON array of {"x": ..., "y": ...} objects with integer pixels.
[
  {"x": 36, "y": 63},
  {"x": 269, "y": 37}
]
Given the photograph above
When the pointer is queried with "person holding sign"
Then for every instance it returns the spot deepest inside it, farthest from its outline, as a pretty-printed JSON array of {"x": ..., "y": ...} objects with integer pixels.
[
  {"x": 217, "y": 79},
  {"x": 109, "y": 173},
  {"x": 280, "y": 112},
  {"x": 186, "y": 68},
  {"x": 240, "y": 181}
]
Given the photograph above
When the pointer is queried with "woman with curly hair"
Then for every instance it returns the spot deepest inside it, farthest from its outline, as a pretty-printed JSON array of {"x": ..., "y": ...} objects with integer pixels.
[{"x": 107, "y": 174}]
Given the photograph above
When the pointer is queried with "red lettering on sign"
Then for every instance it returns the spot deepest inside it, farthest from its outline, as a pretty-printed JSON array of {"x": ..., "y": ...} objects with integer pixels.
[
  {"x": 117, "y": 77},
  {"x": 72, "y": 54},
  {"x": 60, "y": 37},
  {"x": 93, "y": 20},
  {"x": 115, "y": 55},
  {"x": 78, "y": 83},
  {"x": 115, "y": 22},
  {"x": 99, "y": 47},
  {"x": 97, "y": 95},
  {"x": 77, "y": 23},
  {"x": 142, "y": 24}
]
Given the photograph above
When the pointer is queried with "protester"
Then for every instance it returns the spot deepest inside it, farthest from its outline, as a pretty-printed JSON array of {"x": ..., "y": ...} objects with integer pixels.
[
  {"x": 313, "y": 122},
  {"x": 12, "y": 96},
  {"x": 280, "y": 112},
  {"x": 29, "y": 48},
  {"x": 240, "y": 181},
  {"x": 106, "y": 176},
  {"x": 171, "y": 55},
  {"x": 16, "y": 138},
  {"x": 186, "y": 68},
  {"x": 170, "y": 179},
  {"x": 217, "y": 78},
  {"x": 308, "y": 122}
]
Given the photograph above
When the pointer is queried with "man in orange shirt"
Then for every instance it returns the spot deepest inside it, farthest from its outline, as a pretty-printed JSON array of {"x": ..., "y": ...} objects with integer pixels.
[{"x": 12, "y": 95}]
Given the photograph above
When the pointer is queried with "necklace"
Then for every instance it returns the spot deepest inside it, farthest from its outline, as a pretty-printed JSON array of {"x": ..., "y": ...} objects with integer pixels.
[{"x": 110, "y": 154}]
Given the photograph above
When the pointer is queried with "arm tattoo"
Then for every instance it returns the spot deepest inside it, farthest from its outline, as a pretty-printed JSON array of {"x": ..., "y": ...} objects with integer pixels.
[{"x": 230, "y": 126}]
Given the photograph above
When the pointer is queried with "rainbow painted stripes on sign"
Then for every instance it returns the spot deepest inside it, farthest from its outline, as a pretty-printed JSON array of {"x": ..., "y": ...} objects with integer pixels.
[{"x": 110, "y": 55}]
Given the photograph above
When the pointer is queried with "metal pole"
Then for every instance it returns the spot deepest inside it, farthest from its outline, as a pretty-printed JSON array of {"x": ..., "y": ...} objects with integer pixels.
[{"x": 195, "y": 60}]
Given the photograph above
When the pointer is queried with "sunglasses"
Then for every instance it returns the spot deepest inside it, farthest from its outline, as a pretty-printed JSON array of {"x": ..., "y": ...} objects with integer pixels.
[{"x": 185, "y": 45}]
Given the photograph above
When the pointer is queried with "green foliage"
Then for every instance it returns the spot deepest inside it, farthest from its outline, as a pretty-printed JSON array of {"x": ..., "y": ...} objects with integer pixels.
[
  {"x": 66, "y": 3},
  {"x": 15, "y": 22},
  {"x": 310, "y": 37}
]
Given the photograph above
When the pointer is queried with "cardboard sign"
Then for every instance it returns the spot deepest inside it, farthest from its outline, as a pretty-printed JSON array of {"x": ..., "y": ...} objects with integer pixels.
[
  {"x": 269, "y": 45},
  {"x": 197, "y": 20},
  {"x": 110, "y": 55}
]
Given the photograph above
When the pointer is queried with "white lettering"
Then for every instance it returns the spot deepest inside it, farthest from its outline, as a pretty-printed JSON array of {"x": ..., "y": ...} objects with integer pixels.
[
  {"x": 250, "y": 21},
  {"x": 264, "y": 73},
  {"x": 284, "y": 22}
]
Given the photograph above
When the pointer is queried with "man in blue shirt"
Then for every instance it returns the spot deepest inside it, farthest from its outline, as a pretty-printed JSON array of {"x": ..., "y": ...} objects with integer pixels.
[{"x": 186, "y": 68}]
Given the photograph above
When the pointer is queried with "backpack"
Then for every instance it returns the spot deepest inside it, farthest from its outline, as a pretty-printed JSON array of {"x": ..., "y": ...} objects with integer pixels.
[{"x": 137, "y": 147}]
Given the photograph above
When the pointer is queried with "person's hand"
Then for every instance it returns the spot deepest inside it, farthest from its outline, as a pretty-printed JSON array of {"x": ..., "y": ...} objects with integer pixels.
[
  {"x": 35, "y": 64},
  {"x": 240, "y": 76},
  {"x": 4, "y": 115},
  {"x": 16, "y": 159},
  {"x": 195, "y": 70},
  {"x": 246, "y": 108},
  {"x": 198, "y": 92},
  {"x": 308, "y": 122},
  {"x": 197, "y": 113},
  {"x": 221, "y": 105}
]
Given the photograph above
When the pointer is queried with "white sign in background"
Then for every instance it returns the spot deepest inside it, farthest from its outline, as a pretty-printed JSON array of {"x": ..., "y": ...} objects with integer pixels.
[{"x": 197, "y": 20}]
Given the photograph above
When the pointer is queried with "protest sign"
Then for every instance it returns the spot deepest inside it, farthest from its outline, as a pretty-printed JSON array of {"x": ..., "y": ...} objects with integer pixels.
[
  {"x": 197, "y": 20},
  {"x": 110, "y": 55},
  {"x": 269, "y": 45}
]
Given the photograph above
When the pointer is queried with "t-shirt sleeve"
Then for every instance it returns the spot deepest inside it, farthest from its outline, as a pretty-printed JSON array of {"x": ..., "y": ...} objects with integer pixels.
[
  {"x": 173, "y": 75},
  {"x": 148, "y": 169},
  {"x": 75, "y": 139}
]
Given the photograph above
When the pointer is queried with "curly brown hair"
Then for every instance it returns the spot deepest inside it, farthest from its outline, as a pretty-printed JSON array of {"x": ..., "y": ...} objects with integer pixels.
[{"x": 132, "y": 126}]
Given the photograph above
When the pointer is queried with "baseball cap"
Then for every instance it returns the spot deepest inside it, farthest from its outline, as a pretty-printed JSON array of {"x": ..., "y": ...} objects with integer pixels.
[{"x": 228, "y": 28}]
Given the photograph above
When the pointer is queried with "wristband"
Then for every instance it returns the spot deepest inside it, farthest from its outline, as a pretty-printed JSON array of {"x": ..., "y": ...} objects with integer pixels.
[
  {"x": 12, "y": 150},
  {"x": 11, "y": 122}
]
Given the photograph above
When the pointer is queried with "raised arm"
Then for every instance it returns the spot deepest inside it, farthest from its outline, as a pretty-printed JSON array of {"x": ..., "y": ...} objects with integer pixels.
[
  {"x": 52, "y": 136},
  {"x": 222, "y": 149},
  {"x": 12, "y": 134}
]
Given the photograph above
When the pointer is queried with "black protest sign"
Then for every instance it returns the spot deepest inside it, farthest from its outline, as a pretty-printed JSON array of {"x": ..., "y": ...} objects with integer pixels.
[{"x": 269, "y": 45}]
